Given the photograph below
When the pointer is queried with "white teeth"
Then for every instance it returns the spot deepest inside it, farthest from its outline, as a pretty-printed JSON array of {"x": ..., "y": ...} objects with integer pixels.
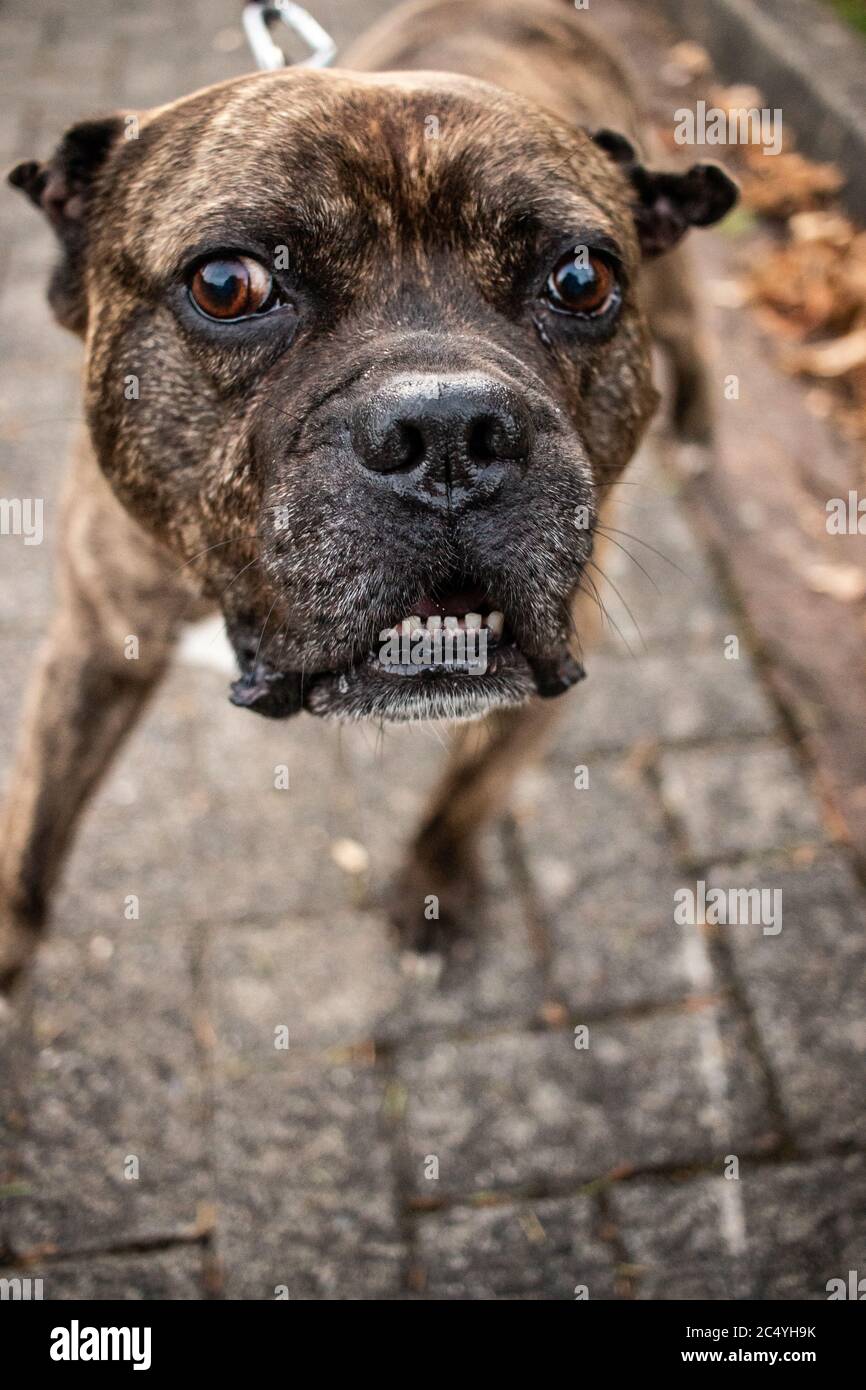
[{"x": 413, "y": 626}]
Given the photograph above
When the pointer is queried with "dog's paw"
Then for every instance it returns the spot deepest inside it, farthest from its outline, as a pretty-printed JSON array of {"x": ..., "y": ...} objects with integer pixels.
[
  {"x": 434, "y": 917},
  {"x": 17, "y": 946}
]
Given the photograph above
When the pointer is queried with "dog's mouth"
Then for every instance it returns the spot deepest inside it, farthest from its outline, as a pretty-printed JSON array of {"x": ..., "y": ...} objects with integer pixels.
[
  {"x": 454, "y": 656},
  {"x": 458, "y": 632}
]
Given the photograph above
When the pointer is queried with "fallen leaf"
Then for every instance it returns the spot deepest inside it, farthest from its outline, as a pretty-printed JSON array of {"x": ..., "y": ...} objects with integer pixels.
[
  {"x": 692, "y": 57},
  {"x": 349, "y": 856},
  {"x": 845, "y": 583}
]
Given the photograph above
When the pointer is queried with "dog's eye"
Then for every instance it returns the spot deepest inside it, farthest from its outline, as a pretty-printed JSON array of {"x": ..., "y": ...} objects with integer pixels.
[
  {"x": 583, "y": 282},
  {"x": 232, "y": 287}
]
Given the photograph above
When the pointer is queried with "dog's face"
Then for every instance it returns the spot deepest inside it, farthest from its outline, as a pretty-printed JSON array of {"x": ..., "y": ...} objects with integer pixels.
[{"x": 370, "y": 349}]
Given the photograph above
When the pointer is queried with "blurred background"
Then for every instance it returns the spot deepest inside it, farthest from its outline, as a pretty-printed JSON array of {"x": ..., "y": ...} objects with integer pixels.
[{"x": 710, "y": 1140}]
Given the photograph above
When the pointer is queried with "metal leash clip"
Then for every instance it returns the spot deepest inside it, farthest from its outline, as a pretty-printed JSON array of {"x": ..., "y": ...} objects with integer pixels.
[{"x": 268, "y": 55}]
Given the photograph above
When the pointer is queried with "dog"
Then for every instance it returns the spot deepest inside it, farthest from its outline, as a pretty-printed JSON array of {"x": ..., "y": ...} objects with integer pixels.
[{"x": 366, "y": 350}]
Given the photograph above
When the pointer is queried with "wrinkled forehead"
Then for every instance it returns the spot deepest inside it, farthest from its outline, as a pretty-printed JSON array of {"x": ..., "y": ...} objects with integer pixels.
[{"x": 345, "y": 159}]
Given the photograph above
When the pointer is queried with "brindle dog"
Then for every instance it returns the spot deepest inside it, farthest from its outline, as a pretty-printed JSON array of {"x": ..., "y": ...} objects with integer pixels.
[{"x": 388, "y": 333}]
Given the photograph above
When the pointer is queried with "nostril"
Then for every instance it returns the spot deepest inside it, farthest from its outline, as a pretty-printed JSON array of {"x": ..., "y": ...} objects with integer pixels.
[
  {"x": 408, "y": 448},
  {"x": 481, "y": 440},
  {"x": 497, "y": 436}
]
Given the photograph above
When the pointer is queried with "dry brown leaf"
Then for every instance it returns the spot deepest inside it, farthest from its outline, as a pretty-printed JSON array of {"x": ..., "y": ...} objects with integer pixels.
[
  {"x": 835, "y": 358},
  {"x": 780, "y": 185},
  {"x": 830, "y": 227},
  {"x": 812, "y": 285},
  {"x": 738, "y": 97},
  {"x": 691, "y": 56},
  {"x": 845, "y": 583}
]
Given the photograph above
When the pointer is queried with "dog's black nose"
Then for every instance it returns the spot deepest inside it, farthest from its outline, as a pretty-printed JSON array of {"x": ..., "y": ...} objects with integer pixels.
[{"x": 443, "y": 439}]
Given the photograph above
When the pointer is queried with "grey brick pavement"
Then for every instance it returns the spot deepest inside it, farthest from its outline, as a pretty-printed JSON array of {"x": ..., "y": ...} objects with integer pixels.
[{"x": 419, "y": 1138}]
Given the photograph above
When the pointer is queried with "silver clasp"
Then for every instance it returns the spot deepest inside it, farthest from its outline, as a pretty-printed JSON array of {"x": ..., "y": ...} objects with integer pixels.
[{"x": 268, "y": 55}]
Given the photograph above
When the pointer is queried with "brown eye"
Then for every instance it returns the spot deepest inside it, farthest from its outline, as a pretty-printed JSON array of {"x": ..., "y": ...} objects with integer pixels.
[
  {"x": 231, "y": 287},
  {"x": 583, "y": 282}
]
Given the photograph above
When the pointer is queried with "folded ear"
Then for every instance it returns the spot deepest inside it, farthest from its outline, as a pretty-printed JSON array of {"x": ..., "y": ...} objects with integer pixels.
[
  {"x": 61, "y": 188},
  {"x": 665, "y": 205}
]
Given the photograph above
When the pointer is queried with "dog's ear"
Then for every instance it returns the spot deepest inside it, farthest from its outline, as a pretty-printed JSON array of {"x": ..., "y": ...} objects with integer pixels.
[
  {"x": 61, "y": 188},
  {"x": 665, "y": 205}
]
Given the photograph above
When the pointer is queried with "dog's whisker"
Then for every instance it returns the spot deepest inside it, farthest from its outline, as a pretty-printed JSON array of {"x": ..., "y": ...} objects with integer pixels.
[
  {"x": 264, "y": 630},
  {"x": 667, "y": 559},
  {"x": 215, "y": 546},
  {"x": 246, "y": 567},
  {"x": 631, "y": 615},
  {"x": 574, "y": 630},
  {"x": 610, "y": 620},
  {"x": 631, "y": 557},
  {"x": 634, "y": 482},
  {"x": 606, "y": 617},
  {"x": 593, "y": 594},
  {"x": 268, "y": 405}
]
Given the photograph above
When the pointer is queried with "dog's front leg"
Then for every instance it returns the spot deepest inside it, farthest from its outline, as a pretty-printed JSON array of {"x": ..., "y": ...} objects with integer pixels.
[{"x": 108, "y": 644}]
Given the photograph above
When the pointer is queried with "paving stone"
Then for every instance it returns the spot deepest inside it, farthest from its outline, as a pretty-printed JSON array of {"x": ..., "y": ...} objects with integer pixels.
[
  {"x": 305, "y": 1187},
  {"x": 17, "y": 656},
  {"x": 524, "y": 1111},
  {"x": 146, "y": 832},
  {"x": 26, "y": 321},
  {"x": 699, "y": 695},
  {"x": 777, "y": 1232},
  {"x": 615, "y": 945},
  {"x": 266, "y": 850},
  {"x": 392, "y": 772},
  {"x": 738, "y": 801},
  {"x": 608, "y": 893},
  {"x": 166, "y": 1274},
  {"x": 536, "y": 1250},
  {"x": 40, "y": 401},
  {"x": 329, "y": 982},
  {"x": 341, "y": 981},
  {"x": 569, "y": 830},
  {"x": 39, "y": 418},
  {"x": 683, "y": 1239},
  {"x": 807, "y": 1225},
  {"x": 302, "y": 1151},
  {"x": 806, "y": 987},
  {"x": 26, "y": 575},
  {"x": 190, "y": 821},
  {"x": 113, "y": 1074}
]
